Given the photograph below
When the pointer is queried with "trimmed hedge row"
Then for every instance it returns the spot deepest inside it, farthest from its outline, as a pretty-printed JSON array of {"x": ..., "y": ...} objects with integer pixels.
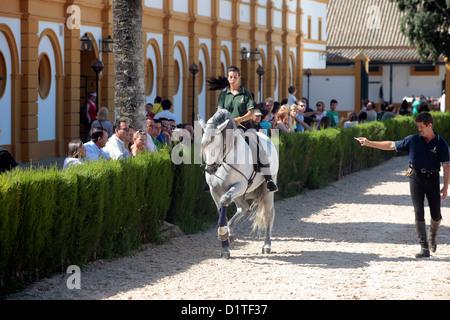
[{"x": 50, "y": 219}]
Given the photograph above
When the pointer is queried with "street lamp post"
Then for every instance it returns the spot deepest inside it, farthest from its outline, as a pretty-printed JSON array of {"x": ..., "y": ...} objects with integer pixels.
[
  {"x": 193, "y": 69},
  {"x": 97, "y": 66},
  {"x": 308, "y": 74},
  {"x": 260, "y": 71}
]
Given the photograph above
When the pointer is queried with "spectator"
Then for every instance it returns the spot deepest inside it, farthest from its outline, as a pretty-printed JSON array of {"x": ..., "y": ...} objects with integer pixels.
[
  {"x": 352, "y": 119},
  {"x": 264, "y": 124},
  {"x": 320, "y": 112},
  {"x": 283, "y": 119},
  {"x": 103, "y": 122},
  {"x": 168, "y": 126},
  {"x": 190, "y": 129},
  {"x": 415, "y": 104},
  {"x": 301, "y": 124},
  {"x": 91, "y": 107},
  {"x": 383, "y": 107},
  {"x": 149, "y": 110},
  {"x": 308, "y": 114},
  {"x": 256, "y": 119},
  {"x": 172, "y": 127},
  {"x": 333, "y": 115},
  {"x": 442, "y": 101},
  {"x": 165, "y": 113},
  {"x": 389, "y": 112},
  {"x": 324, "y": 123},
  {"x": 269, "y": 105},
  {"x": 150, "y": 145},
  {"x": 157, "y": 105},
  {"x": 129, "y": 140},
  {"x": 94, "y": 148},
  {"x": 433, "y": 104},
  {"x": 292, "y": 99},
  {"x": 139, "y": 142},
  {"x": 76, "y": 154},
  {"x": 7, "y": 161},
  {"x": 404, "y": 109},
  {"x": 362, "y": 117},
  {"x": 116, "y": 147},
  {"x": 293, "y": 113},
  {"x": 371, "y": 113},
  {"x": 423, "y": 106},
  {"x": 164, "y": 137},
  {"x": 364, "y": 105},
  {"x": 155, "y": 132}
]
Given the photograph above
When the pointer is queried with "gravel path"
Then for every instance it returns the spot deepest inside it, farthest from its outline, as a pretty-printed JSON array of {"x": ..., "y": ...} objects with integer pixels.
[{"x": 354, "y": 239}]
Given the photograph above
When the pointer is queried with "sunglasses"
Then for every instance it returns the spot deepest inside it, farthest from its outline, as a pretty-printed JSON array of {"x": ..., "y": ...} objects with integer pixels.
[{"x": 169, "y": 126}]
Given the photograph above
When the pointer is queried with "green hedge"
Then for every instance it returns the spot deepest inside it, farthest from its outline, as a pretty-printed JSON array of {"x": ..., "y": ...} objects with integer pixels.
[{"x": 50, "y": 219}]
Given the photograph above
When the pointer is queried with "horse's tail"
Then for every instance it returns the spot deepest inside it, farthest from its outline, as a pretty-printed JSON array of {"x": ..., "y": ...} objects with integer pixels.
[{"x": 262, "y": 211}]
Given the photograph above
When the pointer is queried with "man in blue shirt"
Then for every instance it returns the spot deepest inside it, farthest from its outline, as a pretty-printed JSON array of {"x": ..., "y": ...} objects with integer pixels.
[
  {"x": 427, "y": 150},
  {"x": 94, "y": 148}
]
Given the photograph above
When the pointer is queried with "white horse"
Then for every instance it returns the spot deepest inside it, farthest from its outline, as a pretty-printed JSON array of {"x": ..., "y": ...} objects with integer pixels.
[{"x": 231, "y": 176}]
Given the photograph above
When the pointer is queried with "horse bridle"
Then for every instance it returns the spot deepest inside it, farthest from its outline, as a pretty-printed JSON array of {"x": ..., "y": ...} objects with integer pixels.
[{"x": 212, "y": 168}]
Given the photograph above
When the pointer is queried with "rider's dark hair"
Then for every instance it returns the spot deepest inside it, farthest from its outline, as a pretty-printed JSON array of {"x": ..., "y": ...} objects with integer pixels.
[{"x": 221, "y": 82}]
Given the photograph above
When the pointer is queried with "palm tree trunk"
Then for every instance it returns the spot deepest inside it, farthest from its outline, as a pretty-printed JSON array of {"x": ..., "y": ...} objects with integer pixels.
[{"x": 129, "y": 92}]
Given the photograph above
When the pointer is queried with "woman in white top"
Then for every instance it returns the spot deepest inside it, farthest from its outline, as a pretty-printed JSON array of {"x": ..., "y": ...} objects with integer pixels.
[
  {"x": 352, "y": 119},
  {"x": 76, "y": 154}
]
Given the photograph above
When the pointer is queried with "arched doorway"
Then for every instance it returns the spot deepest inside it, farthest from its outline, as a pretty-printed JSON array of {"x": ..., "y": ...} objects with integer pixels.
[{"x": 87, "y": 84}]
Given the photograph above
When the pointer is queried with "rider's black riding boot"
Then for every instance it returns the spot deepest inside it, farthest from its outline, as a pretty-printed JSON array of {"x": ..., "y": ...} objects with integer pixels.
[
  {"x": 422, "y": 235},
  {"x": 434, "y": 227},
  {"x": 270, "y": 184}
]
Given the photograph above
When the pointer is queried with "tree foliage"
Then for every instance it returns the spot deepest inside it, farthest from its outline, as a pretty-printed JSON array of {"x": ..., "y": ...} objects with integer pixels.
[{"x": 426, "y": 24}]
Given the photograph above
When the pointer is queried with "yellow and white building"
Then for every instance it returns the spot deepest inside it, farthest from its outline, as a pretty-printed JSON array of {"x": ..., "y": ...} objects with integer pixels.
[{"x": 45, "y": 76}]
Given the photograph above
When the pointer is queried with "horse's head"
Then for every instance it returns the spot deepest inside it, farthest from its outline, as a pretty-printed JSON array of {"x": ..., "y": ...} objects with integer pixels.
[{"x": 214, "y": 136}]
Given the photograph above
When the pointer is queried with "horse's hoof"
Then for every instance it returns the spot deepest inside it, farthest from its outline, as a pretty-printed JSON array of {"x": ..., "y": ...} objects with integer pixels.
[
  {"x": 222, "y": 233},
  {"x": 266, "y": 250},
  {"x": 225, "y": 255},
  {"x": 231, "y": 239}
]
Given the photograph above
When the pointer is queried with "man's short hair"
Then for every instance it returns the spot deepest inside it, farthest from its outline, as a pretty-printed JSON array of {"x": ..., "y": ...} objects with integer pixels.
[
  {"x": 371, "y": 104},
  {"x": 291, "y": 89},
  {"x": 97, "y": 133},
  {"x": 117, "y": 124},
  {"x": 333, "y": 101},
  {"x": 166, "y": 104},
  {"x": 425, "y": 118}
]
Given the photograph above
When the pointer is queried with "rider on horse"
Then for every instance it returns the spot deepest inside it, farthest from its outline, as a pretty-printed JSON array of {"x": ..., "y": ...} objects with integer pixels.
[{"x": 238, "y": 101}]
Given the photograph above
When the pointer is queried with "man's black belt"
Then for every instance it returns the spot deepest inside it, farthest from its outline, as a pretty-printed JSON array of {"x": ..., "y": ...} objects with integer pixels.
[{"x": 423, "y": 170}]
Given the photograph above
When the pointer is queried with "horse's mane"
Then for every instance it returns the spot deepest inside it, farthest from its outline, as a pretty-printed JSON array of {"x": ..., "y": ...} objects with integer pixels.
[{"x": 221, "y": 116}]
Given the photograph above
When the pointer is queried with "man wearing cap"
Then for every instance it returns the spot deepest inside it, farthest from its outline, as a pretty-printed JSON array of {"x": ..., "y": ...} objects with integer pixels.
[
  {"x": 427, "y": 151},
  {"x": 91, "y": 108}
]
